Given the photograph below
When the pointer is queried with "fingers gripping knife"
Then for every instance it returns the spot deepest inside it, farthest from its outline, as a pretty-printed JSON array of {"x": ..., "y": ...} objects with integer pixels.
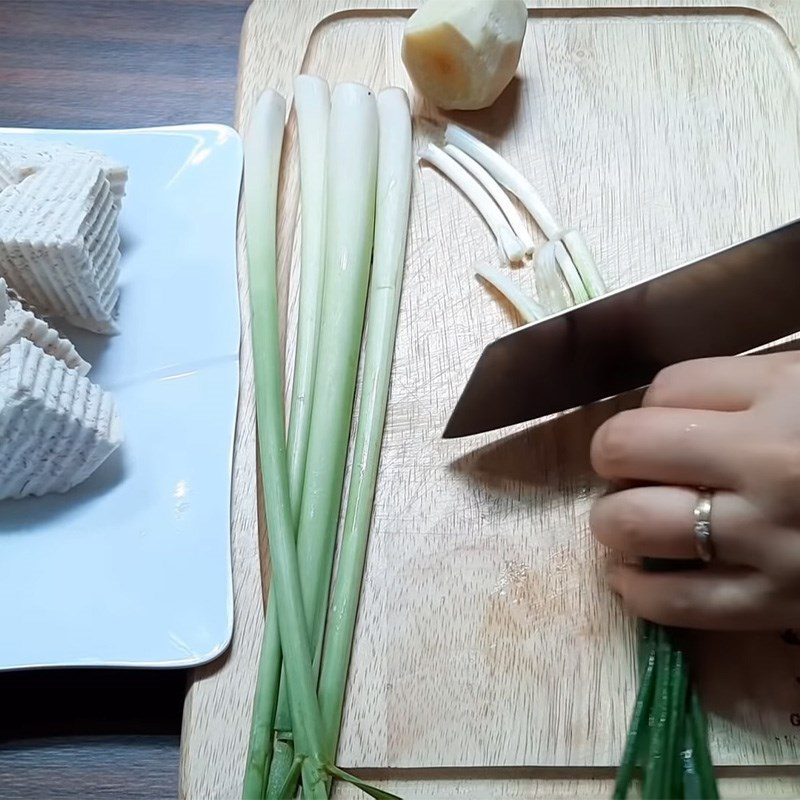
[{"x": 724, "y": 304}]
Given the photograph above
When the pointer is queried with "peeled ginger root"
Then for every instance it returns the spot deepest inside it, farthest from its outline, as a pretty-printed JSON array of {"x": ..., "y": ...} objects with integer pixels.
[{"x": 461, "y": 54}]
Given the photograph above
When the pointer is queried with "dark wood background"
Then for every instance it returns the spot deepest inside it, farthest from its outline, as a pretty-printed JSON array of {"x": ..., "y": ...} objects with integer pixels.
[{"x": 90, "y": 64}]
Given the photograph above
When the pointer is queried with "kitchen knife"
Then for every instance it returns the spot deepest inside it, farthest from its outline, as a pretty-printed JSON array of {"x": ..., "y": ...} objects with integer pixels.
[{"x": 724, "y": 304}]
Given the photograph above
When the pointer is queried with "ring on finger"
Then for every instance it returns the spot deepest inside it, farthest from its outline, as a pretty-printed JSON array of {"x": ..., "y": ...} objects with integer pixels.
[{"x": 702, "y": 525}]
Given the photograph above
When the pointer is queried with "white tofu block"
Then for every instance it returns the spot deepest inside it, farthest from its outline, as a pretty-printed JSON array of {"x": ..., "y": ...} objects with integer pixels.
[
  {"x": 59, "y": 244},
  {"x": 18, "y": 160},
  {"x": 18, "y": 323},
  {"x": 56, "y": 427}
]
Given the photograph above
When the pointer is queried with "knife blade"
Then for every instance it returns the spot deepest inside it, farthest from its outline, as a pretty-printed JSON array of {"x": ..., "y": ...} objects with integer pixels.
[{"x": 726, "y": 303}]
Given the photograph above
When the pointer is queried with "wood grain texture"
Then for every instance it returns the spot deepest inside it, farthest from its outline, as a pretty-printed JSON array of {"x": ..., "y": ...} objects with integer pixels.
[
  {"x": 118, "y": 63},
  {"x": 123, "y": 768},
  {"x": 486, "y": 637}
]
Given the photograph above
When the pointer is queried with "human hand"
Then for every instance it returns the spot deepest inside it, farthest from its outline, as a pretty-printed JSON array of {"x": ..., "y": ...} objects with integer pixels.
[{"x": 731, "y": 425}]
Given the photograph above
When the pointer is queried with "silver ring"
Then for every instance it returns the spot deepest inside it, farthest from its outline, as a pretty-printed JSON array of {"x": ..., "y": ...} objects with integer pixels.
[{"x": 702, "y": 526}]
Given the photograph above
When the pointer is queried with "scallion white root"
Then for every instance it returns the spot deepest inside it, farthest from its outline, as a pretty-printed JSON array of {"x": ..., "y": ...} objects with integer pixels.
[
  {"x": 498, "y": 195},
  {"x": 511, "y": 248},
  {"x": 527, "y": 308},
  {"x": 549, "y": 287},
  {"x": 391, "y": 226}
]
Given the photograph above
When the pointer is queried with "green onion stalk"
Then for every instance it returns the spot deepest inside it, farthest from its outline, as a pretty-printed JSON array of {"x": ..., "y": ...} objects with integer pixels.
[
  {"x": 263, "y": 144},
  {"x": 351, "y": 188},
  {"x": 349, "y": 199},
  {"x": 391, "y": 226},
  {"x": 312, "y": 108},
  {"x": 668, "y": 734},
  {"x": 262, "y": 148}
]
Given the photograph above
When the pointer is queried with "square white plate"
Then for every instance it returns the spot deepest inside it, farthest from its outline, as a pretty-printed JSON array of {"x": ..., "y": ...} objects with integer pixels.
[{"x": 133, "y": 568}]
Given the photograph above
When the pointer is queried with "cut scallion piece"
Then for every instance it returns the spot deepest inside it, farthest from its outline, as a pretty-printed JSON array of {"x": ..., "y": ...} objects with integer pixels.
[
  {"x": 578, "y": 257},
  {"x": 549, "y": 287},
  {"x": 511, "y": 248},
  {"x": 570, "y": 273},
  {"x": 507, "y": 176},
  {"x": 527, "y": 308},
  {"x": 582, "y": 257},
  {"x": 498, "y": 195}
]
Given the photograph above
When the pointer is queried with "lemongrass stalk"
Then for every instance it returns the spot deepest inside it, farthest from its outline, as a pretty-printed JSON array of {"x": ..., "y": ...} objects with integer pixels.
[
  {"x": 582, "y": 256},
  {"x": 549, "y": 287},
  {"x": 570, "y": 273},
  {"x": 262, "y": 146},
  {"x": 498, "y": 195},
  {"x": 351, "y": 183},
  {"x": 511, "y": 248},
  {"x": 312, "y": 104},
  {"x": 527, "y": 307},
  {"x": 506, "y": 175},
  {"x": 391, "y": 226}
]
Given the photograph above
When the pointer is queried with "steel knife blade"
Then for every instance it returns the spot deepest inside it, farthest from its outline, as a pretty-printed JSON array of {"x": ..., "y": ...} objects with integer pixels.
[{"x": 726, "y": 303}]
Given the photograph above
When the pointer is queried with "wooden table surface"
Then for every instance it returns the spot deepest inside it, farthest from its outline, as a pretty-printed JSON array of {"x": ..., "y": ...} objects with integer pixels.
[{"x": 87, "y": 64}]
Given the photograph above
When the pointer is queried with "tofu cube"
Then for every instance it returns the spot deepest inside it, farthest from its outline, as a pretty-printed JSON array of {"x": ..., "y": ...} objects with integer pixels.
[
  {"x": 56, "y": 427},
  {"x": 59, "y": 243}
]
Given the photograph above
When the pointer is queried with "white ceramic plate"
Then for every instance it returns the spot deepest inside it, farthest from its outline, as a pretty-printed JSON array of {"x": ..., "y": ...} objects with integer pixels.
[{"x": 132, "y": 568}]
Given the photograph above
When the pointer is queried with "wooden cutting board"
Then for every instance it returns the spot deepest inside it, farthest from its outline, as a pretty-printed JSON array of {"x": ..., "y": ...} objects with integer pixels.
[{"x": 490, "y": 659}]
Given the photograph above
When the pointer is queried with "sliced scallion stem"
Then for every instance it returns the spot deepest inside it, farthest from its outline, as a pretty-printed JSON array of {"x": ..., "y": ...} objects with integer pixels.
[
  {"x": 570, "y": 273},
  {"x": 677, "y": 707},
  {"x": 498, "y": 195},
  {"x": 660, "y": 713},
  {"x": 584, "y": 262},
  {"x": 690, "y": 780},
  {"x": 549, "y": 287},
  {"x": 639, "y": 723},
  {"x": 391, "y": 226},
  {"x": 511, "y": 248},
  {"x": 702, "y": 756},
  {"x": 262, "y": 146},
  {"x": 527, "y": 308},
  {"x": 506, "y": 175}
]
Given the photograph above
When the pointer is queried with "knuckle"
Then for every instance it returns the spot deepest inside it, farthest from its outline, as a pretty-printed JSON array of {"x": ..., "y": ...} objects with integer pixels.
[
  {"x": 611, "y": 445},
  {"x": 674, "y": 607},
  {"x": 619, "y": 522},
  {"x": 784, "y": 481},
  {"x": 665, "y": 386},
  {"x": 632, "y": 525}
]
